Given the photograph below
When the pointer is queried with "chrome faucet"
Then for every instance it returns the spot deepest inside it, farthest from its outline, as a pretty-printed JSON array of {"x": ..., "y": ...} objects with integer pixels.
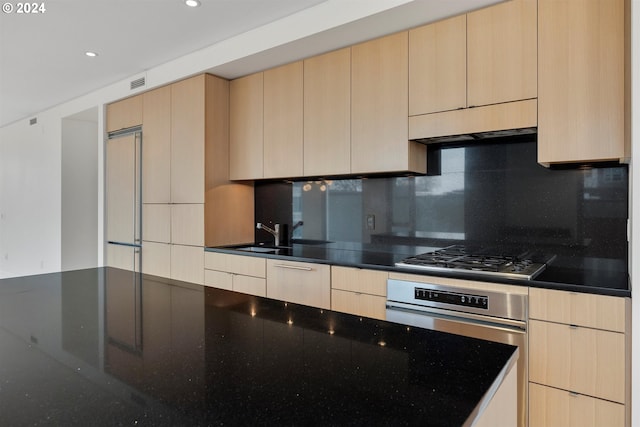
[{"x": 275, "y": 231}]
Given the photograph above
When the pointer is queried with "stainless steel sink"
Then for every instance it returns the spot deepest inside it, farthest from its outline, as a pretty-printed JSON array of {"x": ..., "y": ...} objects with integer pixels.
[{"x": 263, "y": 249}]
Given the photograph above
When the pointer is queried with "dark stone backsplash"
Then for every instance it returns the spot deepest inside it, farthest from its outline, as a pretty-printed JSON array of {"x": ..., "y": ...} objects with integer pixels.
[{"x": 492, "y": 194}]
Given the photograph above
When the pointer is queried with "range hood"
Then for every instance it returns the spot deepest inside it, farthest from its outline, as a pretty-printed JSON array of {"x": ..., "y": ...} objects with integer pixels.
[
  {"x": 477, "y": 136},
  {"x": 476, "y": 123}
]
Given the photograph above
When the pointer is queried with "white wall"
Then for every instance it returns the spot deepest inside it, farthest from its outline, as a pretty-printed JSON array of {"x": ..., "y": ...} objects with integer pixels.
[
  {"x": 30, "y": 197},
  {"x": 79, "y": 180}
]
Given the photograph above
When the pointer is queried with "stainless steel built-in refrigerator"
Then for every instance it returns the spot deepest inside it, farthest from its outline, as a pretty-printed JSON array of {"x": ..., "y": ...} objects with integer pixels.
[{"x": 123, "y": 199}]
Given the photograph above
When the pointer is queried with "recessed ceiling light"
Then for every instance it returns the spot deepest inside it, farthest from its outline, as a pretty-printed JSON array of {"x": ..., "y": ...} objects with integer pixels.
[
  {"x": 192, "y": 3},
  {"x": 91, "y": 54}
]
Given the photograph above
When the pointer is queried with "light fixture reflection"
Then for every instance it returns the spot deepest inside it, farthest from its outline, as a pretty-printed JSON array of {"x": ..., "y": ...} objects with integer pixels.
[
  {"x": 321, "y": 184},
  {"x": 192, "y": 3}
]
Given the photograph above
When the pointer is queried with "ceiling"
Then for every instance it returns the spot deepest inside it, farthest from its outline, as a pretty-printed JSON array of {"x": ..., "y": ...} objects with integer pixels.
[{"x": 42, "y": 60}]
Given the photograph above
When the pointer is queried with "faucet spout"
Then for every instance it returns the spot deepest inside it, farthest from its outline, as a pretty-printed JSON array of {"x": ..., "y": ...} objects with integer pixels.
[{"x": 275, "y": 231}]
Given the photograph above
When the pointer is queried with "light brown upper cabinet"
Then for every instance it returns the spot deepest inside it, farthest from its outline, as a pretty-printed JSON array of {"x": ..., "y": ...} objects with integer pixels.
[
  {"x": 283, "y": 106},
  {"x": 156, "y": 159},
  {"x": 327, "y": 114},
  {"x": 502, "y": 53},
  {"x": 187, "y": 140},
  {"x": 486, "y": 60},
  {"x": 246, "y": 106},
  {"x": 438, "y": 66},
  {"x": 380, "y": 107},
  {"x": 485, "y": 57},
  {"x": 124, "y": 114},
  {"x": 581, "y": 72}
]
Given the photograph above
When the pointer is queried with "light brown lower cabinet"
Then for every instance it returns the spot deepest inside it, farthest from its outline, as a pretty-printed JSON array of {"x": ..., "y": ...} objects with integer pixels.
[
  {"x": 156, "y": 258},
  {"x": 579, "y": 359},
  {"x": 235, "y": 273},
  {"x": 552, "y": 407},
  {"x": 359, "y": 291},
  {"x": 502, "y": 409},
  {"x": 582, "y": 360},
  {"x": 299, "y": 282},
  {"x": 187, "y": 263}
]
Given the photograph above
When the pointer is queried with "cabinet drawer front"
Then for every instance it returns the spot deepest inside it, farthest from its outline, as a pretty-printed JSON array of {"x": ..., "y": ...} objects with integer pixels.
[
  {"x": 583, "y": 360},
  {"x": 299, "y": 282},
  {"x": 550, "y": 407},
  {"x": 594, "y": 311},
  {"x": 359, "y": 304},
  {"x": 358, "y": 280},
  {"x": 218, "y": 279},
  {"x": 250, "y": 285},
  {"x": 237, "y": 264}
]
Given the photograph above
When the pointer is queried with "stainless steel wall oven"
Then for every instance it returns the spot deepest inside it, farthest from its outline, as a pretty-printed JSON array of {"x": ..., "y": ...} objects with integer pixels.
[{"x": 486, "y": 314}]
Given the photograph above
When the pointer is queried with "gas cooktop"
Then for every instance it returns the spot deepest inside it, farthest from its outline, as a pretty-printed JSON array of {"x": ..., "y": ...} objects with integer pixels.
[{"x": 460, "y": 258}]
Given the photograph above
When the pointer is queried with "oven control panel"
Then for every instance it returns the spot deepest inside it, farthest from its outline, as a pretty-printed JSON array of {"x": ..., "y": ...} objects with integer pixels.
[{"x": 454, "y": 298}]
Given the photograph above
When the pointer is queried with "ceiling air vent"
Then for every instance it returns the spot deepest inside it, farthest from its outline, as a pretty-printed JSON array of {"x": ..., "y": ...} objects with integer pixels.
[{"x": 135, "y": 84}]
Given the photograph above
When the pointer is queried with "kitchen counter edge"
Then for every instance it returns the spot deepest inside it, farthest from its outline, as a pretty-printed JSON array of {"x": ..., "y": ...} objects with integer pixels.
[{"x": 570, "y": 287}]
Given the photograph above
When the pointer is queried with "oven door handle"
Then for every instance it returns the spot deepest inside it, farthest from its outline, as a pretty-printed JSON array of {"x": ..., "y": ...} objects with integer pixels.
[{"x": 478, "y": 319}]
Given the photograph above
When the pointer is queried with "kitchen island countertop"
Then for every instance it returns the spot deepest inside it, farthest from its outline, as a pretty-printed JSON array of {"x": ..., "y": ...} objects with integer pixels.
[{"x": 109, "y": 347}]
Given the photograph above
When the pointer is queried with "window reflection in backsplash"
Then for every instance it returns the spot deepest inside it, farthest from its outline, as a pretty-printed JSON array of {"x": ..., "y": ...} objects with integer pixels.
[{"x": 487, "y": 193}]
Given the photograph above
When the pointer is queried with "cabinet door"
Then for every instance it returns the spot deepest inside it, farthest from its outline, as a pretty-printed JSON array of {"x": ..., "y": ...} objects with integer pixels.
[
  {"x": 583, "y": 360},
  {"x": 438, "y": 66},
  {"x": 187, "y": 263},
  {"x": 552, "y": 407},
  {"x": 187, "y": 140},
  {"x": 156, "y": 223},
  {"x": 187, "y": 224},
  {"x": 380, "y": 106},
  {"x": 299, "y": 282},
  {"x": 581, "y": 80},
  {"x": 502, "y": 53},
  {"x": 124, "y": 114},
  {"x": 283, "y": 130},
  {"x": 156, "y": 146},
  {"x": 121, "y": 182},
  {"x": 123, "y": 257},
  {"x": 327, "y": 114},
  {"x": 156, "y": 259},
  {"x": 246, "y": 96}
]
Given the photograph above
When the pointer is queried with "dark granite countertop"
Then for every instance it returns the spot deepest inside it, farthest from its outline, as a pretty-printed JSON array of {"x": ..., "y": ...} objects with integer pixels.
[
  {"x": 576, "y": 274},
  {"x": 109, "y": 347}
]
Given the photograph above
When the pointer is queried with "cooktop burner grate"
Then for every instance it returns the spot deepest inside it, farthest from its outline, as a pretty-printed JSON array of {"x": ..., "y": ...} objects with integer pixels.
[{"x": 461, "y": 259}]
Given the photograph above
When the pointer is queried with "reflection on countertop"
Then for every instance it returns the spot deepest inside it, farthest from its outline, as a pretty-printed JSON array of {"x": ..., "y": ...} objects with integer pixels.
[{"x": 106, "y": 347}]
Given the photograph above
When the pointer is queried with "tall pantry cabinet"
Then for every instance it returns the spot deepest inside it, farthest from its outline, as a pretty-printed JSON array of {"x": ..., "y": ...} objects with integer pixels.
[{"x": 188, "y": 201}]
